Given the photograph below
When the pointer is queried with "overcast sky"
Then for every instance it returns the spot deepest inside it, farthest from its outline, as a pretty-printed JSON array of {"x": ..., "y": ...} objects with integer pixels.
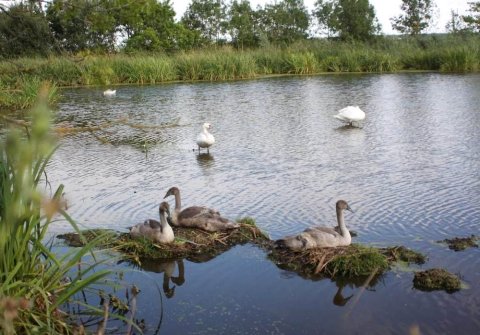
[{"x": 384, "y": 9}]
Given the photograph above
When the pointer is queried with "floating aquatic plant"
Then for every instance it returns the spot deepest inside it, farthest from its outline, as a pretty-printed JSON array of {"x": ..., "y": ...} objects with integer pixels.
[
  {"x": 436, "y": 279},
  {"x": 461, "y": 243}
]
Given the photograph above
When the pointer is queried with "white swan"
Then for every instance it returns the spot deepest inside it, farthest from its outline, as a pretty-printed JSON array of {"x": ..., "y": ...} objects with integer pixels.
[
  {"x": 320, "y": 237},
  {"x": 109, "y": 93},
  {"x": 350, "y": 115},
  {"x": 198, "y": 216},
  {"x": 205, "y": 139},
  {"x": 159, "y": 232}
]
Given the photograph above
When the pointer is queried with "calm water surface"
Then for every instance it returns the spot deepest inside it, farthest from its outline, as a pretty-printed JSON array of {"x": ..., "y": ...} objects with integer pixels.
[{"x": 411, "y": 174}]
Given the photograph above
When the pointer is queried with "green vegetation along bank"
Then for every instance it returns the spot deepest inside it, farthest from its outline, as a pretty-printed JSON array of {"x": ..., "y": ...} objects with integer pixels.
[{"x": 21, "y": 78}]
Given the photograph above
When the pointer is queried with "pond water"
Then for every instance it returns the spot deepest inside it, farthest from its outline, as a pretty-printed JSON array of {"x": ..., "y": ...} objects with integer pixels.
[{"x": 411, "y": 174}]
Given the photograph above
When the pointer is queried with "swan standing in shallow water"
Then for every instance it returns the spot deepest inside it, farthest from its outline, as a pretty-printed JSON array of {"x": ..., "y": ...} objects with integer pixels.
[
  {"x": 159, "y": 232},
  {"x": 109, "y": 93},
  {"x": 205, "y": 139},
  {"x": 351, "y": 115},
  {"x": 198, "y": 216},
  {"x": 320, "y": 237}
]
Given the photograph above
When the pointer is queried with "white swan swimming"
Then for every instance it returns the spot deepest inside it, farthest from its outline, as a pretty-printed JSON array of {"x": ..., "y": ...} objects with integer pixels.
[
  {"x": 109, "y": 93},
  {"x": 159, "y": 232},
  {"x": 205, "y": 139},
  {"x": 320, "y": 237},
  {"x": 198, "y": 216},
  {"x": 351, "y": 115}
]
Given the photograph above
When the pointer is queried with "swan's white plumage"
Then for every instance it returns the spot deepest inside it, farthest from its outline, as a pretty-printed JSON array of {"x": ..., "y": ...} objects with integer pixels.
[
  {"x": 350, "y": 114},
  {"x": 109, "y": 93},
  {"x": 205, "y": 139}
]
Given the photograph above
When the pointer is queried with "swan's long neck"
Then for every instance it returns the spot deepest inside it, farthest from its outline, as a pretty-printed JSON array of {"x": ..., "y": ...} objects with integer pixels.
[
  {"x": 341, "y": 223},
  {"x": 178, "y": 202},
  {"x": 163, "y": 220},
  {"x": 181, "y": 269},
  {"x": 205, "y": 130}
]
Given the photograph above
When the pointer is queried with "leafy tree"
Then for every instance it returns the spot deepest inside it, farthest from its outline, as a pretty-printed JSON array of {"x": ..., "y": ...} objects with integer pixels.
[
  {"x": 416, "y": 18},
  {"x": 285, "y": 21},
  {"x": 455, "y": 24},
  {"x": 350, "y": 19},
  {"x": 24, "y": 31},
  {"x": 473, "y": 20},
  {"x": 207, "y": 17},
  {"x": 186, "y": 39},
  {"x": 323, "y": 12},
  {"x": 97, "y": 24},
  {"x": 243, "y": 24},
  {"x": 83, "y": 24},
  {"x": 152, "y": 27}
]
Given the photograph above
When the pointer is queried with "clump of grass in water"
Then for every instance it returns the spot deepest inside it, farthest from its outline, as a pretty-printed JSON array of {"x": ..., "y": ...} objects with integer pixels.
[
  {"x": 401, "y": 253},
  {"x": 29, "y": 272},
  {"x": 359, "y": 261},
  {"x": 192, "y": 243},
  {"x": 349, "y": 262},
  {"x": 461, "y": 243},
  {"x": 436, "y": 279}
]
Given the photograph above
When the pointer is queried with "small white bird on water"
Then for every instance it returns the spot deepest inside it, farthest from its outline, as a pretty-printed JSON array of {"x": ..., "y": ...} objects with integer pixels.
[
  {"x": 109, "y": 93},
  {"x": 351, "y": 115},
  {"x": 205, "y": 139}
]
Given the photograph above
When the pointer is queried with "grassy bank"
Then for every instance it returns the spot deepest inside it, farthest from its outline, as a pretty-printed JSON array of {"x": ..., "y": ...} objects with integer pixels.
[
  {"x": 33, "y": 280},
  {"x": 448, "y": 53}
]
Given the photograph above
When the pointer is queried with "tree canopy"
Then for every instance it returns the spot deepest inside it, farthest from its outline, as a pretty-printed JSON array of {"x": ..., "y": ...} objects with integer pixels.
[
  {"x": 473, "y": 20},
  {"x": 416, "y": 17},
  {"x": 33, "y": 27},
  {"x": 350, "y": 19}
]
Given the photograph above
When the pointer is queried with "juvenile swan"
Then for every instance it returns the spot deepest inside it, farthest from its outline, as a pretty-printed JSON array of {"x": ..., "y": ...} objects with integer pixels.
[
  {"x": 320, "y": 237},
  {"x": 205, "y": 139},
  {"x": 198, "y": 216},
  {"x": 351, "y": 115},
  {"x": 159, "y": 232}
]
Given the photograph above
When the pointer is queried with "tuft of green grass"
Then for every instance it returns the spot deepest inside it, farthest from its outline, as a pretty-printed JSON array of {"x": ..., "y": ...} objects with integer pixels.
[
  {"x": 401, "y": 253},
  {"x": 359, "y": 261},
  {"x": 247, "y": 220},
  {"x": 436, "y": 279},
  {"x": 466, "y": 59},
  {"x": 461, "y": 243}
]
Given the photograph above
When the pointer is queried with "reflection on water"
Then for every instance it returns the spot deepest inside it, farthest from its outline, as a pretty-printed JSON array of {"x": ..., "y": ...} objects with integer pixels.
[
  {"x": 411, "y": 174},
  {"x": 338, "y": 298},
  {"x": 205, "y": 160},
  {"x": 168, "y": 269}
]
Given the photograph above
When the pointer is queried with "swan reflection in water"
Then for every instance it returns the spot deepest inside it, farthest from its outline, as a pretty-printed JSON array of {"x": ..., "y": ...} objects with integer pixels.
[
  {"x": 338, "y": 298},
  {"x": 205, "y": 160},
  {"x": 168, "y": 269},
  {"x": 361, "y": 283}
]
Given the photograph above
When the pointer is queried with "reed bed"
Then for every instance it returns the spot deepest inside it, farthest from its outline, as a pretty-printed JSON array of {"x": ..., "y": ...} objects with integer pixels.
[
  {"x": 33, "y": 285},
  {"x": 460, "y": 53}
]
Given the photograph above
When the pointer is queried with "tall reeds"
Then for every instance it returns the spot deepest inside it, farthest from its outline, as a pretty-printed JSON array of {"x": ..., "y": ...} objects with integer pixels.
[
  {"x": 449, "y": 53},
  {"x": 33, "y": 283}
]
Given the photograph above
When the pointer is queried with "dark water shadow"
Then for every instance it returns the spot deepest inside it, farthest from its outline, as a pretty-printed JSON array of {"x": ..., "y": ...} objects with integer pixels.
[
  {"x": 205, "y": 160},
  {"x": 348, "y": 127}
]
